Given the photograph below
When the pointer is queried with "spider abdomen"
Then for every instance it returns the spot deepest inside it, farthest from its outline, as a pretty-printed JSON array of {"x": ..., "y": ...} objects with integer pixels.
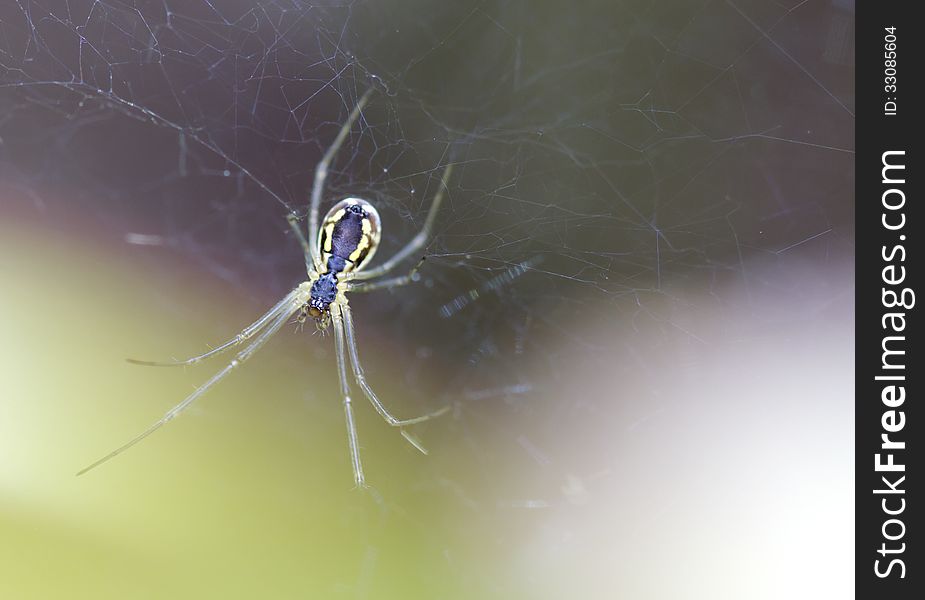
[{"x": 349, "y": 235}]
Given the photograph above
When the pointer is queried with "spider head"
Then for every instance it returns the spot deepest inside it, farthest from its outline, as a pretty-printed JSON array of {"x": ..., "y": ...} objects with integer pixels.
[
  {"x": 323, "y": 293},
  {"x": 322, "y": 318}
]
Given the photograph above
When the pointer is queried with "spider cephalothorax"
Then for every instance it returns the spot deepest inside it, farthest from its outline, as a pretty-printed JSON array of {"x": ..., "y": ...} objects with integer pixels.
[{"x": 318, "y": 307}]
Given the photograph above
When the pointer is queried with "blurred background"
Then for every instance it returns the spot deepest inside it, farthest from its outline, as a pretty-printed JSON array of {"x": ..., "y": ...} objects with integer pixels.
[{"x": 638, "y": 300}]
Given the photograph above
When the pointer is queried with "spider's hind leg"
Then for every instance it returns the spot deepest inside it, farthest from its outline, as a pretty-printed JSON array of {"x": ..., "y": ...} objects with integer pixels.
[
  {"x": 390, "y": 283},
  {"x": 321, "y": 174},
  {"x": 418, "y": 241},
  {"x": 293, "y": 220}
]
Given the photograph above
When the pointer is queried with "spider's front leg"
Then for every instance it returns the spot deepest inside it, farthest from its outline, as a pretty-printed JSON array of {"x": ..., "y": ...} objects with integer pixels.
[
  {"x": 280, "y": 315},
  {"x": 352, "y": 438},
  {"x": 360, "y": 378}
]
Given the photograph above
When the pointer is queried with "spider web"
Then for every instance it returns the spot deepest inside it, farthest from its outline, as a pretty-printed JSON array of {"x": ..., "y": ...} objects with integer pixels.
[
  {"x": 620, "y": 162},
  {"x": 609, "y": 160}
]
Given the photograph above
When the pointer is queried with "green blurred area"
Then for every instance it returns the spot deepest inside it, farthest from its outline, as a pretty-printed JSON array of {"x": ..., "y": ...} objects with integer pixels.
[{"x": 247, "y": 495}]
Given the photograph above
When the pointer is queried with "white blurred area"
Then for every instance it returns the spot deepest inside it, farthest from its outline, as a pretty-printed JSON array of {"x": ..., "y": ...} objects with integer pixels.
[{"x": 727, "y": 471}]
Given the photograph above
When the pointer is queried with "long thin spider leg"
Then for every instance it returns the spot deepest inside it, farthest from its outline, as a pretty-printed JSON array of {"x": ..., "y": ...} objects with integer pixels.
[
  {"x": 176, "y": 410},
  {"x": 418, "y": 241},
  {"x": 321, "y": 173},
  {"x": 414, "y": 441},
  {"x": 368, "y": 391},
  {"x": 253, "y": 328},
  {"x": 352, "y": 438},
  {"x": 306, "y": 249},
  {"x": 391, "y": 282}
]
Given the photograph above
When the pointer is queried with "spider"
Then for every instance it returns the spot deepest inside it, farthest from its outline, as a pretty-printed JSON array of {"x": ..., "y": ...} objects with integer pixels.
[{"x": 336, "y": 255}]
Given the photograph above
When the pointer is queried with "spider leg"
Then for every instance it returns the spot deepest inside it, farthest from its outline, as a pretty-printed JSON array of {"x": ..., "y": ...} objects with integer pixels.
[
  {"x": 321, "y": 173},
  {"x": 414, "y": 441},
  {"x": 352, "y": 438},
  {"x": 418, "y": 241},
  {"x": 306, "y": 249},
  {"x": 284, "y": 305},
  {"x": 368, "y": 391},
  {"x": 202, "y": 389},
  {"x": 391, "y": 282}
]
